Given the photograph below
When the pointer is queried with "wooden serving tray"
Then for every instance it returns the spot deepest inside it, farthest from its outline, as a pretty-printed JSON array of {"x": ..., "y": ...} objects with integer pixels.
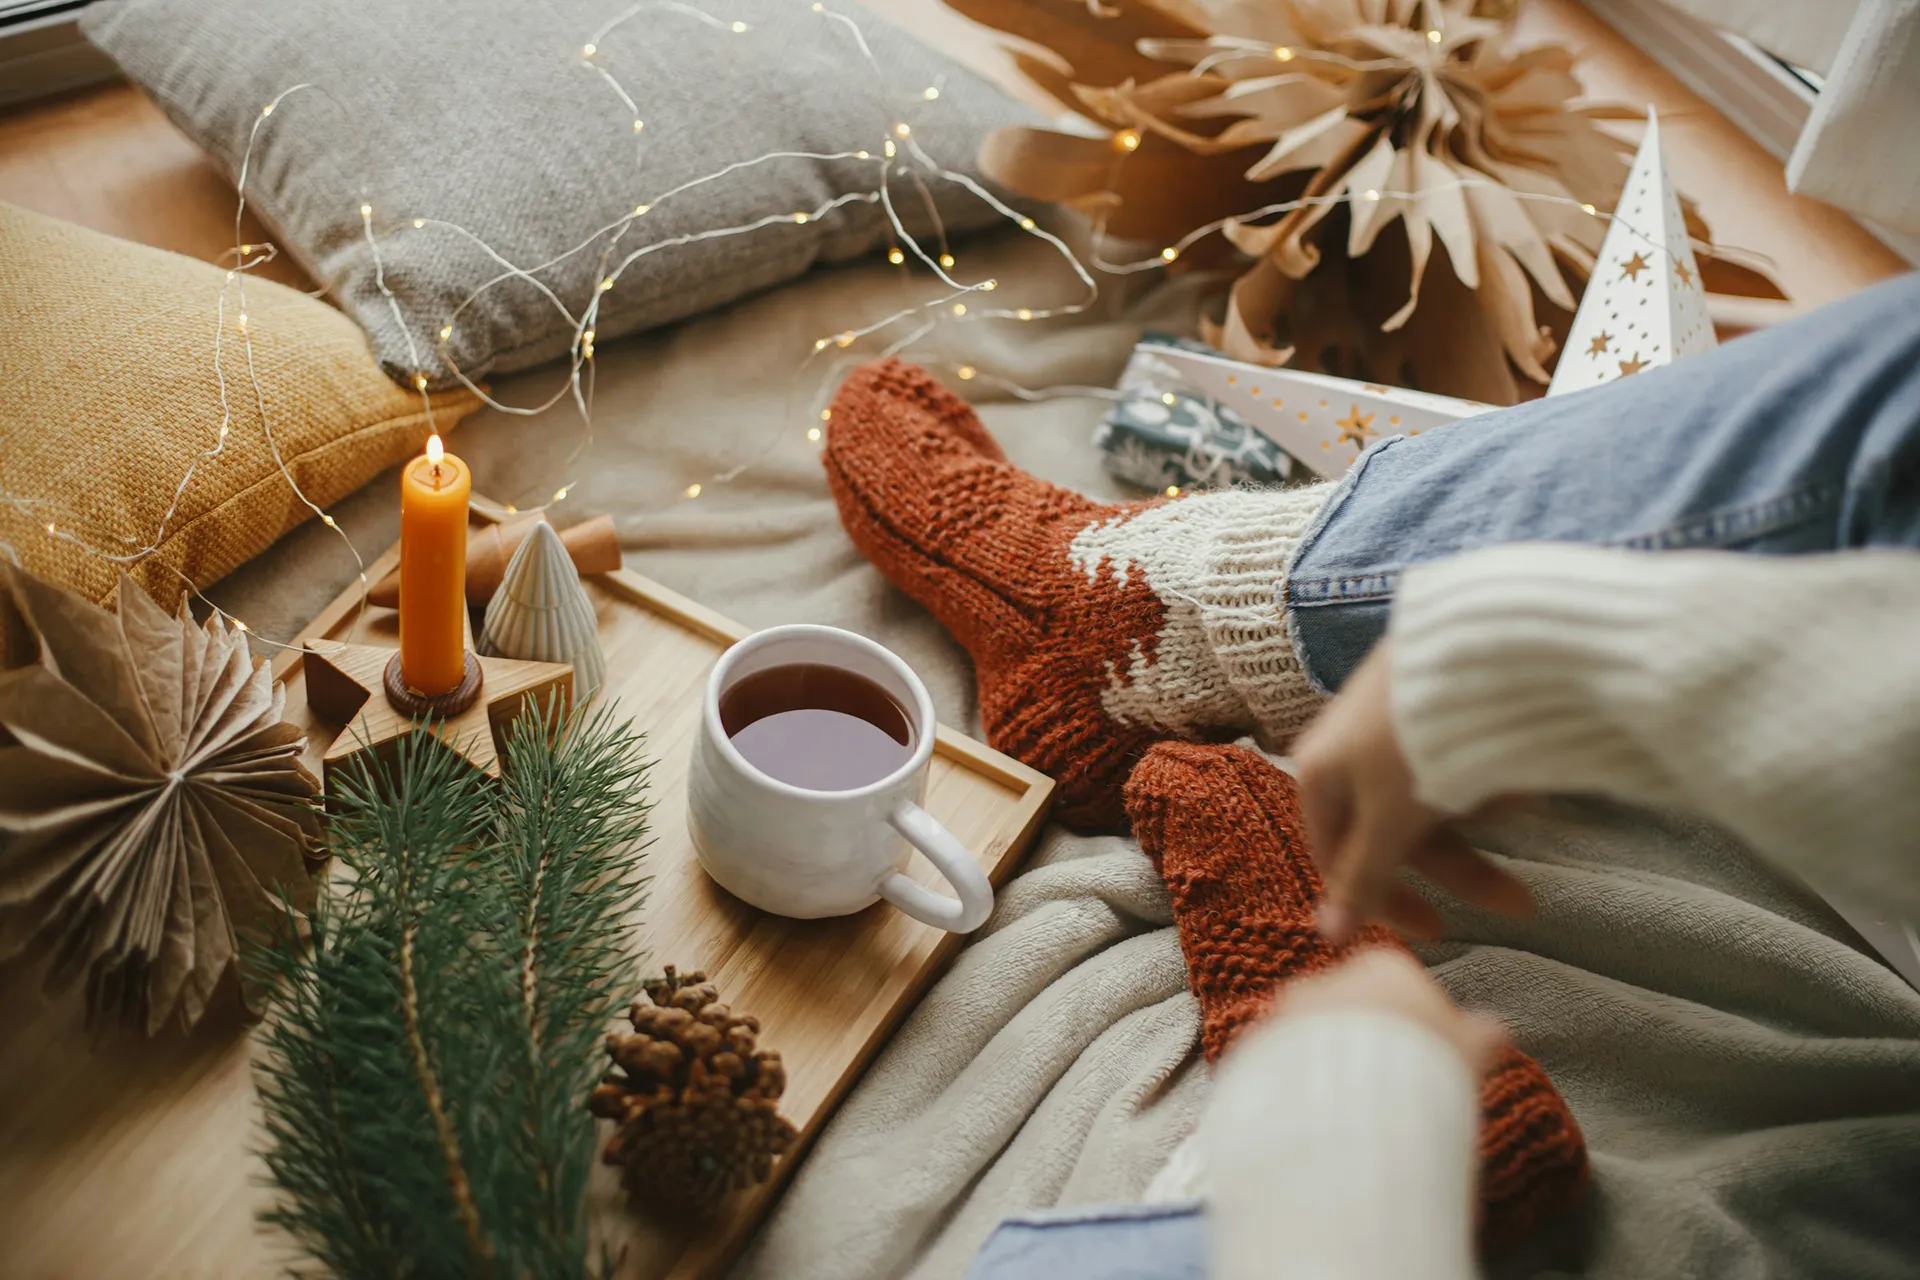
[{"x": 827, "y": 992}]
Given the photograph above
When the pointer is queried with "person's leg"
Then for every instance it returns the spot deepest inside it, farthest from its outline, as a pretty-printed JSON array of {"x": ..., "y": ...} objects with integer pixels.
[
  {"x": 1223, "y": 828},
  {"x": 1802, "y": 438},
  {"x": 1095, "y": 629}
]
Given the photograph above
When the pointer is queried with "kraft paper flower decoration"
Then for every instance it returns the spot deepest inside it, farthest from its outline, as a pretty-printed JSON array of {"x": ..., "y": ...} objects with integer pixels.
[
  {"x": 153, "y": 807},
  {"x": 1449, "y": 189}
]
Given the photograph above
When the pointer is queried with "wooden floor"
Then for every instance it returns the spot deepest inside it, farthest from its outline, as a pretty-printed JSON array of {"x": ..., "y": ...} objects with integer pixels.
[{"x": 108, "y": 159}]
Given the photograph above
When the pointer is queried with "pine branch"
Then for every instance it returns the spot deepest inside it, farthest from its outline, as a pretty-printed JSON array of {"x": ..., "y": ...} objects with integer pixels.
[
  {"x": 443, "y": 1132},
  {"x": 435, "y": 1035}
]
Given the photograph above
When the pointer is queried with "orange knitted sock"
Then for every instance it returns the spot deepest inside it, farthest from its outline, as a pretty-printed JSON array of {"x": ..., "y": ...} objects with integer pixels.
[
  {"x": 1223, "y": 827},
  {"x": 1096, "y": 630}
]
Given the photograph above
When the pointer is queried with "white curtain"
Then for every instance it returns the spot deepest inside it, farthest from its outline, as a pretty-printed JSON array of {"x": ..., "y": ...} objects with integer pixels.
[{"x": 1860, "y": 149}]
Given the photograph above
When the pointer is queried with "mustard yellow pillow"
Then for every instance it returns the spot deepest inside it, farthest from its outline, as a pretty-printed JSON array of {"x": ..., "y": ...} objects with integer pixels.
[{"x": 109, "y": 394}]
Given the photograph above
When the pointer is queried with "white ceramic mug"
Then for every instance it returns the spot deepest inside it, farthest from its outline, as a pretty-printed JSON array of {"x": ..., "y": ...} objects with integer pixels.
[{"x": 797, "y": 852}]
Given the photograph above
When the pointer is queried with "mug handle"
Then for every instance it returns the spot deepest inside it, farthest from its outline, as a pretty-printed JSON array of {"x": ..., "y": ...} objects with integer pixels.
[{"x": 956, "y": 915}]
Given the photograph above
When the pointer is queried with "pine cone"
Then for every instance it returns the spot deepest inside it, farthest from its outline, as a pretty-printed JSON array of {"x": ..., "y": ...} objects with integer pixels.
[{"x": 696, "y": 1100}]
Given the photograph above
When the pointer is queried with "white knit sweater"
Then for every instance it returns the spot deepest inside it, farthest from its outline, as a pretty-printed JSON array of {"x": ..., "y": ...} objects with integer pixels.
[{"x": 1778, "y": 697}]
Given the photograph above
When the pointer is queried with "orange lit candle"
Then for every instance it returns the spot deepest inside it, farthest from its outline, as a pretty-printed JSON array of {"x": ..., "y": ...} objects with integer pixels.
[{"x": 433, "y": 570}]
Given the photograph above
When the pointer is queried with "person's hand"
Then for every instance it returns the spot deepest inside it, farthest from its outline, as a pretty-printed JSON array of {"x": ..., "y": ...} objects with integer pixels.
[
  {"x": 1377, "y": 980},
  {"x": 1365, "y": 823}
]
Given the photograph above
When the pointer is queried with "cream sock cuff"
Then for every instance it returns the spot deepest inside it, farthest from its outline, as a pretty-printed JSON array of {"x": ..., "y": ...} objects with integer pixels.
[{"x": 1223, "y": 659}]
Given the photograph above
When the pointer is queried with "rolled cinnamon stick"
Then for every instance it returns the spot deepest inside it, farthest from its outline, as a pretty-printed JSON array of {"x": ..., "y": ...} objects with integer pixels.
[{"x": 592, "y": 545}]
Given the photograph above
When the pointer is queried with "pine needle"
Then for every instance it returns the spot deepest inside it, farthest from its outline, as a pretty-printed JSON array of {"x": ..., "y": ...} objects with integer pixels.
[{"x": 437, "y": 1022}]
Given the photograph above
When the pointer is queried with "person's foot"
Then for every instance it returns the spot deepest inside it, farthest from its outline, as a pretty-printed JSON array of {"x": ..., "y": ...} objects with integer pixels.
[
  {"x": 1223, "y": 827},
  {"x": 1096, "y": 630}
]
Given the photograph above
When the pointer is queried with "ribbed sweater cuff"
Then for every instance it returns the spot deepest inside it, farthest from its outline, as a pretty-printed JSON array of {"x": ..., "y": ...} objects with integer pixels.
[
  {"x": 1520, "y": 668},
  {"x": 1342, "y": 1146}
]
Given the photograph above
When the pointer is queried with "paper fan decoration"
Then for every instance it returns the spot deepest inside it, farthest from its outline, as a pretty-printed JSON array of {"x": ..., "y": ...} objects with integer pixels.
[
  {"x": 153, "y": 807},
  {"x": 1444, "y": 174}
]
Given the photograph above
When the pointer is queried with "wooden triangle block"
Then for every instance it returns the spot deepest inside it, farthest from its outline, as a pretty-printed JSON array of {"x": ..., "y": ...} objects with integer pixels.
[{"x": 344, "y": 686}]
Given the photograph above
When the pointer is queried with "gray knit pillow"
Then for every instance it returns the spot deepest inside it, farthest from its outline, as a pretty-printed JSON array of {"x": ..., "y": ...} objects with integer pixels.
[{"x": 486, "y": 114}]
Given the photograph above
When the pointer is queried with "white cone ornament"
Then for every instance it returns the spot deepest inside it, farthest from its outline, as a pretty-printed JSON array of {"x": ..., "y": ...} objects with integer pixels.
[
  {"x": 1645, "y": 305},
  {"x": 542, "y": 613}
]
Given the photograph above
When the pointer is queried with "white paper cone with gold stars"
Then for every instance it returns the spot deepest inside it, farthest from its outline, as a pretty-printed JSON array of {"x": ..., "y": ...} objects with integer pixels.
[{"x": 1645, "y": 305}]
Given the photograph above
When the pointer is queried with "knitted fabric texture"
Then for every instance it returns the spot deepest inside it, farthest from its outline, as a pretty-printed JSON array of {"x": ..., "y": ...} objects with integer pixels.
[
  {"x": 1223, "y": 826},
  {"x": 112, "y": 396},
  {"x": 1095, "y": 629}
]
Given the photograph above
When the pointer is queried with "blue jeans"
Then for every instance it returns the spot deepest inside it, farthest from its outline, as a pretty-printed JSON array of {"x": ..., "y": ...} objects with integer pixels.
[
  {"x": 1803, "y": 438},
  {"x": 1099, "y": 1242}
]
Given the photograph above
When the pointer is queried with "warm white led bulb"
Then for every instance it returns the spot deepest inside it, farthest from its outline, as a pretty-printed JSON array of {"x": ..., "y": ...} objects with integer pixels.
[
  {"x": 959, "y": 308},
  {"x": 1169, "y": 253},
  {"x": 267, "y": 110},
  {"x": 1433, "y": 37},
  {"x": 896, "y": 257},
  {"x": 1372, "y": 194},
  {"x": 606, "y": 284},
  {"x": 638, "y": 125},
  {"x": 739, "y": 28},
  {"x": 1023, "y": 314},
  {"x": 988, "y": 286},
  {"x": 801, "y": 217},
  {"x": 946, "y": 261},
  {"x": 966, "y": 372},
  {"x": 446, "y": 331},
  {"x": 366, "y": 211},
  {"x": 587, "y": 51},
  {"x": 902, "y": 130},
  {"x": 1026, "y": 224},
  {"x": 640, "y": 210},
  {"x": 693, "y": 491},
  {"x": 826, "y": 415},
  {"x": 930, "y": 93},
  {"x": 1282, "y": 53},
  {"x": 1127, "y": 140},
  {"x": 813, "y": 433}
]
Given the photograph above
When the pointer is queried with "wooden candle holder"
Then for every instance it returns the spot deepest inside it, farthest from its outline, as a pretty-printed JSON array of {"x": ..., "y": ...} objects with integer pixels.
[
  {"x": 354, "y": 685},
  {"x": 409, "y": 701}
]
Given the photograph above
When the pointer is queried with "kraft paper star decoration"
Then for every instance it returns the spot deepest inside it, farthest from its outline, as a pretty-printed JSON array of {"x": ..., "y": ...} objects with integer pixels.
[
  {"x": 1645, "y": 297},
  {"x": 345, "y": 686}
]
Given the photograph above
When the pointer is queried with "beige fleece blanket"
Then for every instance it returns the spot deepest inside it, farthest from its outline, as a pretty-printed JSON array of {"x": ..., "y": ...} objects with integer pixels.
[{"x": 1748, "y": 1078}]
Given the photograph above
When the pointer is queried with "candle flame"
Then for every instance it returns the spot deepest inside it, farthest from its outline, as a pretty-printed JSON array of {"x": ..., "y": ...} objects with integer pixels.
[{"x": 435, "y": 450}]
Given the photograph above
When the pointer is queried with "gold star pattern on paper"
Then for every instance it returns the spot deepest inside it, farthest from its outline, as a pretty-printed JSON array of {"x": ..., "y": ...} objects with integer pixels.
[
  {"x": 1634, "y": 365},
  {"x": 1356, "y": 427},
  {"x": 1682, "y": 272},
  {"x": 1632, "y": 267},
  {"x": 1599, "y": 343}
]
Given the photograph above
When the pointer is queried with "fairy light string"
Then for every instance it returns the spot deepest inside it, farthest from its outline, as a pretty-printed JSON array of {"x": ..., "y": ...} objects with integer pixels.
[{"x": 897, "y": 156}]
